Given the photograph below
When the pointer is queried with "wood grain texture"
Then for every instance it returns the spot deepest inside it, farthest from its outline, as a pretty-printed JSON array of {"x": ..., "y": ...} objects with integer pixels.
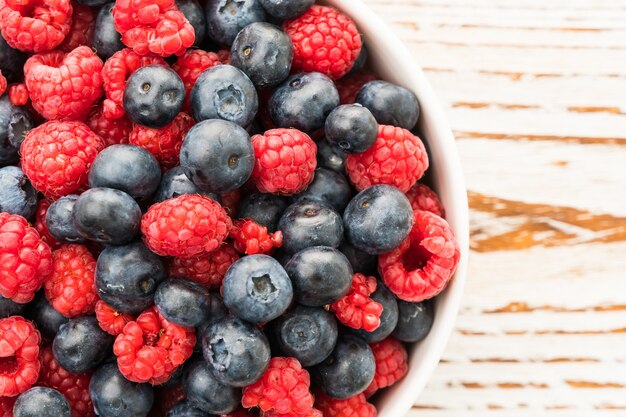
[{"x": 536, "y": 93}]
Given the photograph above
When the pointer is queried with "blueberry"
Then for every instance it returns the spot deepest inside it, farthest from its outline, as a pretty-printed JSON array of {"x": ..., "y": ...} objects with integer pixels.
[
  {"x": 80, "y": 344},
  {"x": 388, "y": 319},
  {"x": 390, "y": 104},
  {"x": 264, "y": 53},
  {"x": 378, "y": 219},
  {"x": 225, "y": 18},
  {"x": 308, "y": 334},
  {"x": 175, "y": 183},
  {"x": 115, "y": 396},
  {"x": 11, "y": 62},
  {"x": 92, "y": 3},
  {"x": 415, "y": 321},
  {"x": 308, "y": 223},
  {"x": 363, "y": 262},
  {"x": 331, "y": 157},
  {"x": 186, "y": 409},
  {"x": 60, "y": 220},
  {"x": 352, "y": 127},
  {"x": 237, "y": 352},
  {"x": 217, "y": 156},
  {"x": 45, "y": 317},
  {"x": 257, "y": 289},
  {"x": 304, "y": 101},
  {"x": 348, "y": 370},
  {"x": 286, "y": 9},
  {"x": 361, "y": 60},
  {"x": 320, "y": 275},
  {"x": 224, "y": 92},
  {"x": 15, "y": 122},
  {"x": 217, "y": 310},
  {"x": 107, "y": 216},
  {"x": 17, "y": 195},
  {"x": 154, "y": 96},
  {"x": 41, "y": 402},
  {"x": 328, "y": 187},
  {"x": 10, "y": 308},
  {"x": 208, "y": 394},
  {"x": 265, "y": 209},
  {"x": 183, "y": 302},
  {"x": 106, "y": 39},
  {"x": 194, "y": 13},
  {"x": 127, "y": 277}
]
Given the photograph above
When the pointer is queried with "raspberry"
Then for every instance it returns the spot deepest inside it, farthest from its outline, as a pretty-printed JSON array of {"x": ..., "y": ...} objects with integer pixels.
[
  {"x": 75, "y": 387},
  {"x": 422, "y": 197},
  {"x": 41, "y": 227},
  {"x": 56, "y": 156},
  {"x": 71, "y": 288},
  {"x": 324, "y": 40},
  {"x": 185, "y": 226},
  {"x": 3, "y": 84},
  {"x": 240, "y": 413},
  {"x": 64, "y": 86},
  {"x": 6, "y": 406},
  {"x": 115, "y": 73},
  {"x": 19, "y": 356},
  {"x": 18, "y": 94},
  {"x": 25, "y": 261},
  {"x": 167, "y": 398},
  {"x": 163, "y": 143},
  {"x": 350, "y": 85},
  {"x": 224, "y": 56},
  {"x": 285, "y": 161},
  {"x": 191, "y": 64},
  {"x": 110, "y": 320},
  {"x": 283, "y": 389},
  {"x": 391, "y": 364},
  {"x": 208, "y": 270},
  {"x": 356, "y": 406},
  {"x": 251, "y": 238},
  {"x": 112, "y": 131},
  {"x": 422, "y": 265},
  {"x": 151, "y": 348},
  {"x": 230, "y": 201},
  {"x": 81, "y": 30},
  {"x": 356, "y": 309},
  {"x": 398, "y": 158},
  {"x": 35, "y": 25}
]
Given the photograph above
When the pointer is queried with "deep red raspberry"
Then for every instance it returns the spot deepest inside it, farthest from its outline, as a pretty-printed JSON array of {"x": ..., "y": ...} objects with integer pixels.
[
  {"x": 422, "y": 197},
  {"x": 3, "y": 84},
  {"x": 313, "y": 412},
  {"x": 41, "y": 227},
  {"x": 241, "y": 413},
  {"x": 56, "y": 156},
  {"x": 163, "y": 143},
  {"x": 25, "y": 261},
  {"x": 64, "y": 86},
  {"x": 421, "y": 267},
  {"x": 391, "y": 364},
  {"x": 356, "y": 406},
  {"x": 350, "y": 85},
  {"x": 230, "y": 201},
  {"x": 168, "y": 397},
  {"x": 6, "y": 406},
  {"x": 75, "y": 387},
  {"x": 19, "y": 356},
  {"x": 191, "y": 64},
  {"x": 398, "y": 158},
  {"x": 112, "y": 131},
  {"x": 81, "y": 30},
  {"x": 208, "y": 270},
  {"x": 283, "y": 389},
  {"x": 285, "y": 161},
  {"x": 356, "y": 309},
  {"x": 18, "y": 94},
  {"x": 185, "y": 226},
  {"x": 151, "y": 348},
  {"x": 224, "y": 56},
  {"x": 251, "y": 238},
  {"x": 324, "y": 40},
  {"x": 35, "y": 25},
  {"x": 111, "y": 320}
]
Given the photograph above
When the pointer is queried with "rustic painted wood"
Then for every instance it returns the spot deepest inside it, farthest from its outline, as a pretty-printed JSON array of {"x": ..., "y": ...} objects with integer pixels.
[{"x": 536, "y": 93}]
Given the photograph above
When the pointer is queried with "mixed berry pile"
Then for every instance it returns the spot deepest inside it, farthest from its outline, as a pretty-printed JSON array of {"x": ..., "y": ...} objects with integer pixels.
[{"x": 207, "y": 208}]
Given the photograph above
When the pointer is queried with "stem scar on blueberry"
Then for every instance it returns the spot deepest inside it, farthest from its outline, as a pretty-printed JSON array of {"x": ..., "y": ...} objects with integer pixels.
[
  {"x": 247, "y": 51},
  {"x": 232, "y": 161},
  {"x": 295, "y": 82},
  {"x": 365, "y": 204},
  {"x": 146, "y": 87}
]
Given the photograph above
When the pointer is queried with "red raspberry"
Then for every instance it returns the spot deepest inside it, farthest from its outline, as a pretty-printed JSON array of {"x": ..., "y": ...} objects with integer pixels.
[
  {"x": 81, "y": 31},
  {"x": 356, "y": 406},
  {"x": 240, "y": 413},
  {"x": 422, "y": 265},
  {"x": 356, "y": 309},
  {"x": 111, "y": 320},
  {"x": 185, "y": 226},
  {"x": 324, "y": 40},
  {"x": 41, "y": 227},
  {"x": 208, "y": 270},
  {"x": 398, "y": 158},
  {"x": 19, "y": 356},
  {"x": 35, "y": 25},
  {"x": 163, "y": 143},
  {"x": 230, "y": 201},
  {"x": 422, "y": 197},
  {"x": 167, "y": 398},
  {"x": 151, "y": 348},
  {"x": 3, "y": 84},
  {"x": 56, "y": 156},
  {"x": 75, "y": 387},
  {"x": 6, "y": 406},
  {"x": 64, "y": 86},
  {"x": 350, "y": 85},
  {"x": 251, "y": 238},
  {"x": 285, "y": 161},
  {"x": 391, "y": 364},
  {"x": 224, "y": 56},
  {"x": 18, "y": 94},
  {"x": 71, "y": 288},
  {"x": 112, "y": 131},
  {"x": 191, "y": 64},
  {"x": 283, "y": 389},
  {"x": 25, "y": 261}
]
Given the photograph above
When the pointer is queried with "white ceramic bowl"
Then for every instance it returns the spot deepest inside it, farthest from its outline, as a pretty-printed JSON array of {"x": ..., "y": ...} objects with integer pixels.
[{"x": 393, "y": 62}]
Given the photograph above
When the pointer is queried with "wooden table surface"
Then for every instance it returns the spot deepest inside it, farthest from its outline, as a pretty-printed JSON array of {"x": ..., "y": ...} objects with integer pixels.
[{"x": 535, "y": 91}]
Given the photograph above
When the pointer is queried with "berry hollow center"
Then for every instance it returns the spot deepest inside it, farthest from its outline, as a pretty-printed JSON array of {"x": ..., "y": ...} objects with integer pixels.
[
  {"x": 263, "y": 287},
  {"x": 8, "y": 365},
  {"x": 415, "y": 258}
]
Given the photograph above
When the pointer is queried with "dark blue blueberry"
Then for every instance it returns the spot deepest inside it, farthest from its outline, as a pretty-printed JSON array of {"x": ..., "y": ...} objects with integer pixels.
[
  {"x": 308, "y": 223},
  {"x": 17, "y": 195},
  {"x": 390, "y": 104},
  {"x": 415, "y": 321},
  {"x": 265, "y": 209},
  {"x": 236, "y": 351},
  {"x": 388, "y": 319},
  {"x": 331, "y": 157},
  {"x": 107, "y": 216},
  {"x": 257, "y": 289},
  {"x": 175, "y": 183},
  {"x": 41, "y": 402},
  {"x": 328, "y": 187},
  {"x": 352, "y": 127},
  {"x": 206, "y": 392},
  {"x": 183, "y": 302},
  {"x": 80, "y": 344},
  {"x": 127, "y": 277},
  {"x": 45, "y": 317},
  {"x": 194, "y": 13},
  {"x": 224, "y": 92},
  {"x": 320, "y": 275},
  {"x": 378, "y": 219},
  {"x": 348, "y": 370},
  {"x": 60, "y": 220},
  {"x": 106, "y": 39},
  {"x": 304, "y": 101},
  {"x": 14, "y": 123},
  {"x": 11, "y": 61},
  {"x": 264, "y": 53},
  {"x": 154, "y": 96},
  {"x": 217, "y": 310},
  {"x": 10, "y": 308},
  {"x": 362, "y": 262},
  {"x": 115, "y": 396},
  {"x": 286, "y": 9},
  {"x": 186, "y": 409},
  {"x": 225, "y": 18},
  {"x": 217, "y": 156},
  {"x": 361, "y": 60}
]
